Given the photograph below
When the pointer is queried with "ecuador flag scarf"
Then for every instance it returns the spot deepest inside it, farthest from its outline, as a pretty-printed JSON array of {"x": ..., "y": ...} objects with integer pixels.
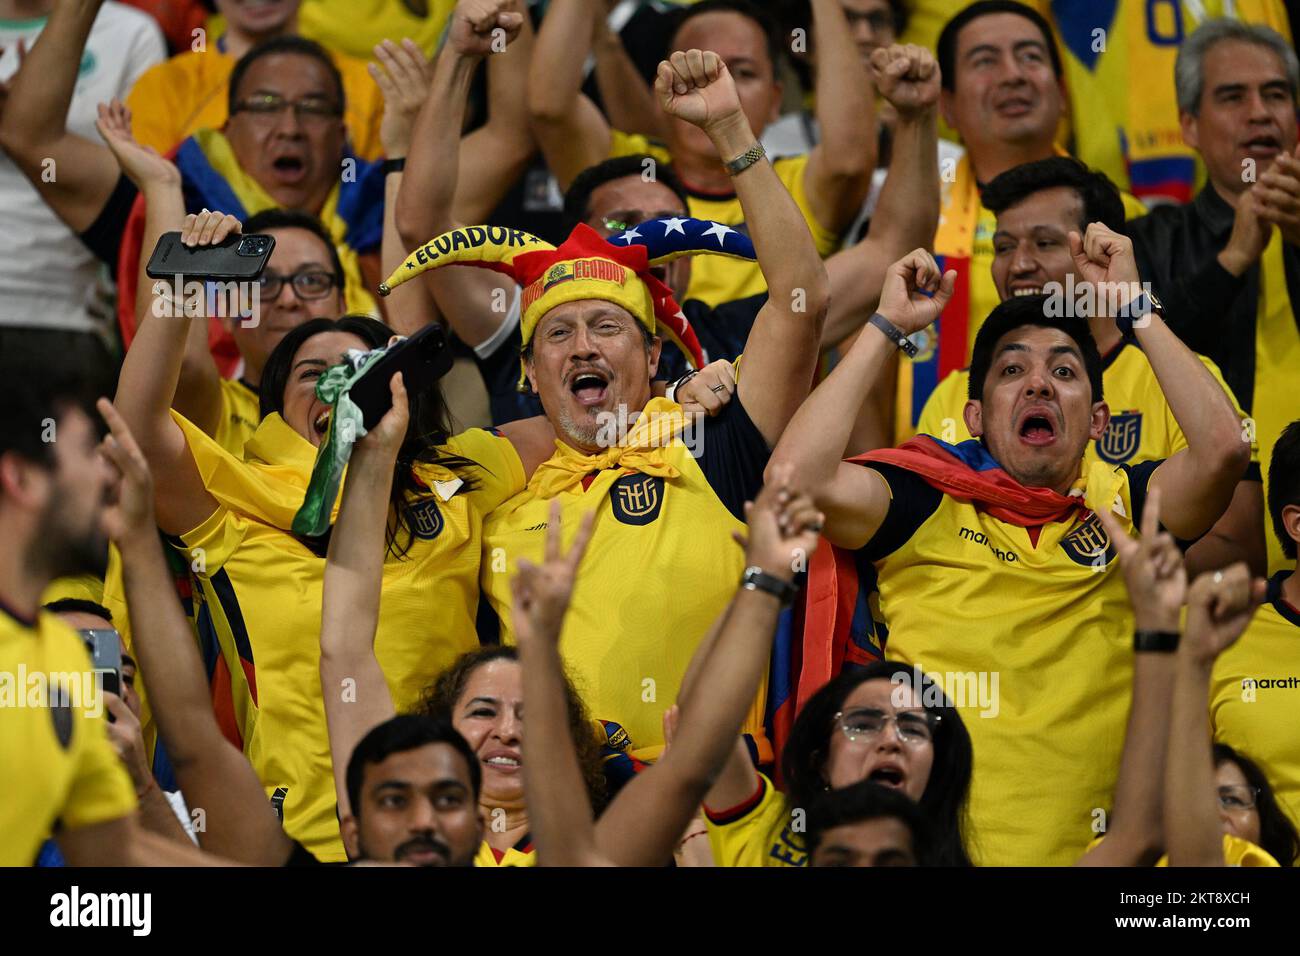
[{"x": 836, "y": 603}]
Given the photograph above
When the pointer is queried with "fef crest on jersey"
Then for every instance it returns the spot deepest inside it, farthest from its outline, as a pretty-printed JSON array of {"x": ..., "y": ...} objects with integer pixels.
[
  {"x": 426, "y": 520},
  {"x": 637, "y": 499},
  {"x": 1088, "y": 544},
  {"x": 1122, "y": 437}
]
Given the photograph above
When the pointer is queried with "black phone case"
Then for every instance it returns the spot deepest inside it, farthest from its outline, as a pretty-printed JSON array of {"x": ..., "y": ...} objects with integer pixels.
[
  {"x": 222, "y": 261},
  {"x": 422, "y": 359}
]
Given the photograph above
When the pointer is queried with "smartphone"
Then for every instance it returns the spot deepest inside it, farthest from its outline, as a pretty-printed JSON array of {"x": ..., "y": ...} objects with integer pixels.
[
  {"x": 235, "y": 257},
  {"x": 105, "y": 648},
  {"x": 422, "y": 359}
]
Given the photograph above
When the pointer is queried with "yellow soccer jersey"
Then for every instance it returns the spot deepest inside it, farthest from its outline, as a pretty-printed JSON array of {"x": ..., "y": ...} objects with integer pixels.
[
  {"x": 240, "y": 413},
  {"x": 358, "y": 26},
  {"x": 718, "y": 279},
  {"x": 60, "y": 769},
  {"x": 660, "y": 567},
  {"x": 177, "y": 97},
  {"x": 1255, "y": 695},
  {"x": 756, "y": 833},
  {"x": 1236, "y": 852},
  {"x": 1277, "y": 360},
  {"x": 522, "y": 853},
  {"x": 1029, "y": 631},
  {"x": 259, "y": 602},
  {"x": 1142, "y": 426}
]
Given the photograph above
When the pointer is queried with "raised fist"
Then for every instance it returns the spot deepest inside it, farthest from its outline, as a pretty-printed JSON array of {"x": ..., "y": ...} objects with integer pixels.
[
  {"x": 696, "y": 86},
  {"x": 480, "y": 27},
  {"x": 907, "y": 76}
]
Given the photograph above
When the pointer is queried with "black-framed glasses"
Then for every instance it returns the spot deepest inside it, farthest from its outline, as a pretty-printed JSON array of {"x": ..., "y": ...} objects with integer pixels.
[
  {"x": 1238, "y": 797},
  {"x": 311, "y": 284},
  {"x": 266, "y": 105},
  {"x": 865, "y": 723}
]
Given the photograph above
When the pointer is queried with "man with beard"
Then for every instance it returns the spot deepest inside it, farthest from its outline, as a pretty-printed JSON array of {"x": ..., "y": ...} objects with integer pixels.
[
  {"x": 413, "y": 788},
  {"x": 56, "y": 484}
]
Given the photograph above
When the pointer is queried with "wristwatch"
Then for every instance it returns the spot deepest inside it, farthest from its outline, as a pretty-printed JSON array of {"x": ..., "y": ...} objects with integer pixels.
[
  {"x": 1139, "y": 308},
  {"x": 746, "y": 159},
  {"x": 1161, "y": 642},
  {"x": 894, "y": 334},
  {"x": 756, "y": 579}
]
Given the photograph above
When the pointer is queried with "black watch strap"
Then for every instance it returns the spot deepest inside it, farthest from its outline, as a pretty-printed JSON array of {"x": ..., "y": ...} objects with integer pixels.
[
  {"x": 1159, "y": 642},
  {"x": 394, "y": 165},
  {"x": 894, "y": 334},
  {"x": 756, "y": 579}
]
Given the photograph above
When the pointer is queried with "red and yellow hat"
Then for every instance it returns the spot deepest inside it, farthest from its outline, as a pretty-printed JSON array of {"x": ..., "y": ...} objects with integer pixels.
[{"x": 586, "y": 266}]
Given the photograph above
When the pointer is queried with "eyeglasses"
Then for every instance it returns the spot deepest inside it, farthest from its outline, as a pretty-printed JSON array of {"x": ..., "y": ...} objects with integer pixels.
[
  {"x": 306, "y": 285},
  {"x": 622, "y": 220},
  {"x": 1238, "y": 797},
  {"x": 267, "y": 105},
  {"x": 914, "y": 727},
  {"x": 880, "y": 21}
]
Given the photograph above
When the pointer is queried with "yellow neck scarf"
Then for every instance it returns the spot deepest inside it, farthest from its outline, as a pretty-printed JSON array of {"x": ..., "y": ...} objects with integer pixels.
[{"x": 645, "y": 449}]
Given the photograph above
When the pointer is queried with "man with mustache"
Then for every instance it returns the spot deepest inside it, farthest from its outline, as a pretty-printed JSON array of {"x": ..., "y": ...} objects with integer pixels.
[
  {"x": 413, "y": 788},
  {"x": 988, "y": 556},
  {"x": 1227, "y": 265}
]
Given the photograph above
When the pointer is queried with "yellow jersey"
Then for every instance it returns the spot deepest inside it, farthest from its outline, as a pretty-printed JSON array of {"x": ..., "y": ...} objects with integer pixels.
[
  {"x": 758, "y": 832},
  {"x": 259, "y": 592},
  {"x": 719, "y": 279},
  {"x": 522, "y": 853},
  {"x": 1255, "y": 695},
  {"x": 660, "y": 568},
  {"x": 1142, "y": 426},
  {"x": 240, "y": 413},
  {"x": 180, "y": 96},
  {"x": 358, "y": 26},
  {"x": 1277, "y": 370},
  {"x": 1039, "y": 661},
  {"x": 1236, "y": 852},
  {"x": 60, "y": 768}
]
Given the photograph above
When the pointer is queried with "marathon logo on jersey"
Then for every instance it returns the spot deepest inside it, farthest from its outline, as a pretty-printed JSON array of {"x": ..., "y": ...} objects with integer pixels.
[
  {"x": 1122, "y": 438},
  {"x": 471, "y": 237},
  {"x": 426, "y": 520},
  {"x": 600, "y": 270},
  {"x": 1088, "y": 544},
  {"x": 637, "y": 499}
]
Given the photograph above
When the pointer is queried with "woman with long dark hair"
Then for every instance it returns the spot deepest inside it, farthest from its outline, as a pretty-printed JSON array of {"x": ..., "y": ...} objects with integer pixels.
[
  {"x": 259, "y": 587},
  {"x": 885, "y": 722}
]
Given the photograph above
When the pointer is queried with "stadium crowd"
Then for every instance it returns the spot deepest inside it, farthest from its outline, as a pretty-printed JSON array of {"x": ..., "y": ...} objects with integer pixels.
[{"x": 862, "y": 432}]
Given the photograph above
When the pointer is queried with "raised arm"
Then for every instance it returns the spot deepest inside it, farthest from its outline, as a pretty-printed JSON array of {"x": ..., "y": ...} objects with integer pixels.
[
  {"x": 147, "y": 387},
  {"x": 1198, "y": 482},
  {"x": 838, "y": 174},
  {"x": 645, "y": 821},
  {"x": 569, "y": 128},
  {"x": 356, "y": 694},
  {"x": 495, "y": 156},
  {"x": 424, "y": 208},
  {"x": 781, "y": 351},
  {"x": 403, "y": 76},
  {"x": 856, "y": 499},
  {"x": 907, "y": 212},
  {"x": 198, "y": 389},
  {"x": 214, "y": 776},
  {"x": 33, "y": 125},
  {"x": 628, "y": 99},
  {"x": 1157, "y": 584},
  {"x": 1219, "y": 607}
]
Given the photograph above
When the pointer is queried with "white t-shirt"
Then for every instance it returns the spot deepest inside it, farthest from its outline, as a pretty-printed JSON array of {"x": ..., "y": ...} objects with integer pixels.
[{"x": 48, "y": 278}]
